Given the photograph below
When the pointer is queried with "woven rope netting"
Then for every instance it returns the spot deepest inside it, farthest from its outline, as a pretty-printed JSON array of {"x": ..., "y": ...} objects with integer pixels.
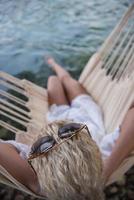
[
  {"x": 23, "y": 106},
  {"x": 109, "y": 75}
]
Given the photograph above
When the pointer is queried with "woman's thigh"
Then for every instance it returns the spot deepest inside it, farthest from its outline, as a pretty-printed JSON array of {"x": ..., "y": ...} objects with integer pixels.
[
  {"x": 56, "y": 94},
  {"x": 72, "y": 87}
]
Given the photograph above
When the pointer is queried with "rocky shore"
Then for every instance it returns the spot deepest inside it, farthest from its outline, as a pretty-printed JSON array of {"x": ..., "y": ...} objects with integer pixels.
[{"x": 121, "y": 190}]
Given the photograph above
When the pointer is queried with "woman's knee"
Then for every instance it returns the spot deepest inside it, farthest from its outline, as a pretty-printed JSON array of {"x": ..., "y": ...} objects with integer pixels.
[
  {"x": 65, "y": 78},
  {"x": 52, "y": 83},
  {"x": 55, "y": 91},
  {"x": 68, "y": 80},
  {"x": 72, "y": 84},
  {"x": 51, "y": 80},
  {"x": 73, "y": 88}
]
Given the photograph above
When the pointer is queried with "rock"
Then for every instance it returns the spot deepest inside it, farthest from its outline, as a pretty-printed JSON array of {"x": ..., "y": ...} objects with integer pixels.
[
  {"x": 19, "y": 197},
  {"x": 130, "y": 194},
  {"x": 122, "y": 181},
  {"x": 114, "y": 190}
]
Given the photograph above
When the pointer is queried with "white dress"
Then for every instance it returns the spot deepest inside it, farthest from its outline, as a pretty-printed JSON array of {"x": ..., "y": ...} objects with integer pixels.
[{"x": 82, "y": 110}]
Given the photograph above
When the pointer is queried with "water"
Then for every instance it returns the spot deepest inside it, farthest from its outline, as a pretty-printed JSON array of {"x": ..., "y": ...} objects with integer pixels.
[{"x": 68, "y": 30}]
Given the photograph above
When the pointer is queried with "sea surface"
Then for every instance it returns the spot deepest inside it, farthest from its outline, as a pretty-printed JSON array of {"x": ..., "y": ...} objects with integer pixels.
[{"x": 70, "y": 31}]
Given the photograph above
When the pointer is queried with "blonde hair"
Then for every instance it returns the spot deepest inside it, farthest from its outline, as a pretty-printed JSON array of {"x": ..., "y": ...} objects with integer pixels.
[{"x": 72, "y": 170}]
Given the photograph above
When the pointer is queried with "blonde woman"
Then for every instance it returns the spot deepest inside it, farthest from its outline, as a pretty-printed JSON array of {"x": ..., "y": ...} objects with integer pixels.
[{"x": 73, "y": 158}]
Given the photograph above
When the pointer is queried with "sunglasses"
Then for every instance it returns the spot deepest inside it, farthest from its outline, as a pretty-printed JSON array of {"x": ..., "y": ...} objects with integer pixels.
[{"x": 44, "y": 144}]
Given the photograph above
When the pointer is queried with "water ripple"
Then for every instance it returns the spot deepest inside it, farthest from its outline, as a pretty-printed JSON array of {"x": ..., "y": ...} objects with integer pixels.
[{"x": 66, "y": 29}]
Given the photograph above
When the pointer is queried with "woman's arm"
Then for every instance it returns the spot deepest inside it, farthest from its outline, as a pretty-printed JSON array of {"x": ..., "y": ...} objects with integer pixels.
[
  {"x": 17, "y": 167},
  {"x": 123, "y": 147}
]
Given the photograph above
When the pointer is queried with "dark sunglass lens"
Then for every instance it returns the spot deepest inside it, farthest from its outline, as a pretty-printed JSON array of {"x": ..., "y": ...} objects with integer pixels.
[
  {"x": 68, "y": 130},
  {"x": 43, "y": 145}
]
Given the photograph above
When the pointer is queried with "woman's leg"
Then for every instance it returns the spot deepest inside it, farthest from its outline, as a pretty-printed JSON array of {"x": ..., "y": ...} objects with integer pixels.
[
  {"x": 124, "y": 145},
  {"x": 71, "y": 86},
  {"x": 56, "y": 94}
]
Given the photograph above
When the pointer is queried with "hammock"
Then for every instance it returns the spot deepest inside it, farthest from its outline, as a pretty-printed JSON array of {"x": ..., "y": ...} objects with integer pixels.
[{"x": 108, "y": 77}]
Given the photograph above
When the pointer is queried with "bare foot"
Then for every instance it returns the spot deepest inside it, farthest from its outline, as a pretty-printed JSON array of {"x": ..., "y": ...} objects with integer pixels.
[
  {"x": 51, "y": 62},
  {"x": 59, "y": 70}
]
